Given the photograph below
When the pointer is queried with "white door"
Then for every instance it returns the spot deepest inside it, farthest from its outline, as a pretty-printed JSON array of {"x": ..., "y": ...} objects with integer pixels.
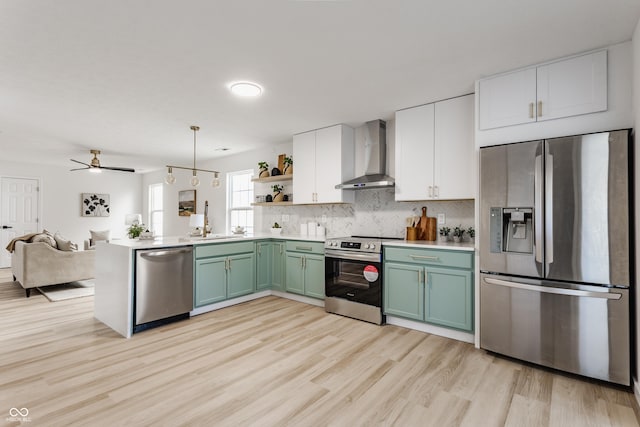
[
  {"x": 455, "y": 155},
  {"x": 573, "y": 86},
  {"x": 304, "y": 156},
  {"x": 18, "y": 212},
  {"x": 508, "y": 99},
  {"x": 414, "y": 153}
]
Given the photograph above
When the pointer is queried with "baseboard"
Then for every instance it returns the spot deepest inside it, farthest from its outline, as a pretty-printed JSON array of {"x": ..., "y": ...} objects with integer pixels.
[
  {"x": 229, "y": 302},
  {"x": 431, "y": 329},
  {"x": 299, "y": 298}
]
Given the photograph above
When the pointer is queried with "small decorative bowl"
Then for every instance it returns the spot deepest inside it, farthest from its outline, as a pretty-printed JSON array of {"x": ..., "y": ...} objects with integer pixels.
[{"x": 276, "y": 230}]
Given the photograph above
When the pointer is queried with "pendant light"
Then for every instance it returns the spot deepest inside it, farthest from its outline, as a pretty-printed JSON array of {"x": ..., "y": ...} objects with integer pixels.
[{"x": 195, "y": 181}]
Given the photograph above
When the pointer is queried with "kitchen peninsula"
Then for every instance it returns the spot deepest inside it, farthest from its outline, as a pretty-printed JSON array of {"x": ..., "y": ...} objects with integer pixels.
[{"x": 237, "y": 265}]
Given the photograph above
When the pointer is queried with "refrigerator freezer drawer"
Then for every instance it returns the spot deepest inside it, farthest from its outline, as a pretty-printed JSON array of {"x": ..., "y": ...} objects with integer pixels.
[{"x": 579, "y": 329}]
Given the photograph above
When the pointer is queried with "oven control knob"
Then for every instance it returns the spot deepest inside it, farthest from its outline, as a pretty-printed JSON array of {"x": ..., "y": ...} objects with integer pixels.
[{"x": 372, "y": 246}]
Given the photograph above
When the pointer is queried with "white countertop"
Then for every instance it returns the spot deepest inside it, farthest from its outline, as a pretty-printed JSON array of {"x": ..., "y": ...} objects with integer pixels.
[
  {"x": 425, "y": 244},
  {"x": 172, "y": 241}
]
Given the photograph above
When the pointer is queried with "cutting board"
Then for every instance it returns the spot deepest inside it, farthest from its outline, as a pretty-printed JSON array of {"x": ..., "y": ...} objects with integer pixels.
[
  {"x": 422, "y": 225},
  {"x": 427, "y": 227}
]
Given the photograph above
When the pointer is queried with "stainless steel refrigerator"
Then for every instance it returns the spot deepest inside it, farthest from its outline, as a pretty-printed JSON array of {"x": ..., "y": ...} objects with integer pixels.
[{"x": 555, "y": 249}]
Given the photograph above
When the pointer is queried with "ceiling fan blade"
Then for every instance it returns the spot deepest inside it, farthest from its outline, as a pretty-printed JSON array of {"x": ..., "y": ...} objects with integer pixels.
[
  {"x": 80, "y": 169},
  {"x": 82, "y": 163},
  {"x": 118, "y": 169}
]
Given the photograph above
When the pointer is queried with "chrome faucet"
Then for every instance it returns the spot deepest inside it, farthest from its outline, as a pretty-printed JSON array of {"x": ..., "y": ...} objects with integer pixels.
[{"x": 206, "y": 220}]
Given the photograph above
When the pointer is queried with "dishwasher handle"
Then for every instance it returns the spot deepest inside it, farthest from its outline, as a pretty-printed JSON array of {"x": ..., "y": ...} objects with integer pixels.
[{"x": 164, "y": 253}]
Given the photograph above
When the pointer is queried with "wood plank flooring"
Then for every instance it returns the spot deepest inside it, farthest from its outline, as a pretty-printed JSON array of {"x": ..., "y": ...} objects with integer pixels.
[{"x": 272, "y": 362}]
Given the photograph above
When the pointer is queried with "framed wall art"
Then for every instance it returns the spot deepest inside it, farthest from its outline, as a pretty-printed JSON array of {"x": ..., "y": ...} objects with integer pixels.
[
  {"x": 186, "y": 202},
  {"x": 94, "y": 204}
]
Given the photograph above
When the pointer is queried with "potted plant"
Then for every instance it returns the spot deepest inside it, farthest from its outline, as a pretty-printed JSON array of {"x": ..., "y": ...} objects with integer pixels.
[
  {"x": 472, "y": 234},
  {"x": 444, "y": 234},
  {"x": 277, "y": 193},
  {"x": 288, "y": 165},
  {"x": 264, "y": 169},
  {"x": 276, "y": 229},
  {"x": 458, "y": 232},
  {"x": 134, "y": 230}
]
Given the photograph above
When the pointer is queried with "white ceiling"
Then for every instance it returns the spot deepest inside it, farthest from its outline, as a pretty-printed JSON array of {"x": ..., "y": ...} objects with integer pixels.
[{"x": 129, "y": 77}]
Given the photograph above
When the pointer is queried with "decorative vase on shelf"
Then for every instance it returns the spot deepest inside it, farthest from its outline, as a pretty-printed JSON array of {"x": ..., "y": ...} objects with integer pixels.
[
  {"x": 288, "y": 169},
  {"x": 278, "y": 197},
  {"x": 264, "y": 173}
]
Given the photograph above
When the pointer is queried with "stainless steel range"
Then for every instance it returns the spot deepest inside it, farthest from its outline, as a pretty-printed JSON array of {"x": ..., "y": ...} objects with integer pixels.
[{"x": 353, "y": 277}]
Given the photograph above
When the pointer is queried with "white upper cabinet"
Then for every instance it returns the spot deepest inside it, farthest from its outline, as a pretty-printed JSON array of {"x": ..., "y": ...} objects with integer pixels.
[
  {"x": 435, "y": 153},
  {"x": 323, "y": 158},
  {"x": 564, "y": 88}
]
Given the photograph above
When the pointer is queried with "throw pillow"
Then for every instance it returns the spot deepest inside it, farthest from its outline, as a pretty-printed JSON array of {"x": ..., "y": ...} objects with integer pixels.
[
  {"x": 99, "y": 235},
  {"x": 64, "y": 244},
  {"x": 45, "y": 238}
]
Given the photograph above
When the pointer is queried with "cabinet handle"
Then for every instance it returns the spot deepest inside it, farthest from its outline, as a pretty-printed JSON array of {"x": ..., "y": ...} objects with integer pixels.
[
  {"x": 304, "y": 248},
  {"x": 539, "y": 109},
  {"x": 427, "y": 257},
  {"x": 304, "y": 262},
  {"x": 259, "y": 249},
  {"x": 430, "y": 191},
  {"x": 437, "y": 191},
  {"x": 226, "y": 263},
  {"x": 419, "y": 276},
  {"x": 281, "y": 245},
  {"x": 531, "y": 110}
]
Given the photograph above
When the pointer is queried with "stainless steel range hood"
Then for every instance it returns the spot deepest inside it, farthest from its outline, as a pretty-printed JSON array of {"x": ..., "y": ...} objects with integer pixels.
[{"x": 375, "y": 151}]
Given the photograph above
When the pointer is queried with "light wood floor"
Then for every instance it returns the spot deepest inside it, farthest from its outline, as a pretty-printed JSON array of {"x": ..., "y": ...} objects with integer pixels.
[{"x": 272, "y": 362}]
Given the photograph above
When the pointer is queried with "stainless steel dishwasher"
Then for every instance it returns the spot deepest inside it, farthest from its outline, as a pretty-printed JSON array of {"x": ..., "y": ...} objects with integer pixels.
[{"x": 164, "y": 286}]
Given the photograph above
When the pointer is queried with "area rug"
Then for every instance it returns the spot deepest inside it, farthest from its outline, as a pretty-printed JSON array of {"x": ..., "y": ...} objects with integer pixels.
[{"x": 64, "y": 291}]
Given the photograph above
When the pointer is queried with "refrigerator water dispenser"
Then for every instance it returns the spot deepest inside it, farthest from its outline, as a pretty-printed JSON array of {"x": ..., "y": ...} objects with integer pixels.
[{"x": 511, "y": 230}]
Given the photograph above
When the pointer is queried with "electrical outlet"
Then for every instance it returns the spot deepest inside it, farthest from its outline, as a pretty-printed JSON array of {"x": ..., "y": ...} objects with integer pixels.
[
  {"x": 441, "y": 220},
  {"x": 285, "y": 218},
  {"x": 324, "y": 218}
]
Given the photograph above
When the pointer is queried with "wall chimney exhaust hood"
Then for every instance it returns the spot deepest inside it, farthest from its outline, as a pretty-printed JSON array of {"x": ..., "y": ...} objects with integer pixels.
[{"x": 375, "y": 151}]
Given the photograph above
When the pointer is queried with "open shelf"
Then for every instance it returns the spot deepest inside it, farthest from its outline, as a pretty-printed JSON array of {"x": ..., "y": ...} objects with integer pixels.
[
  {"x": 272, "y": 204},
  {"x": 274, "y": 178}
]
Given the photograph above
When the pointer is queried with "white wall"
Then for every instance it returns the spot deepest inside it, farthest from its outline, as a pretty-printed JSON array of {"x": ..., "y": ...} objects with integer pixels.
[
  {"x": 636, "y": 113},
  {"x": 60, "y": 198}
]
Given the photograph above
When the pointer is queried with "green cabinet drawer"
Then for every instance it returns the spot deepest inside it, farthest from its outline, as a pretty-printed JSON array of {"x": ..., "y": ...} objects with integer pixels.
[
  {"x": 435, "y": 257},
  {"x": 223, "y": 249},
  {"x": 304, "y": 246}
]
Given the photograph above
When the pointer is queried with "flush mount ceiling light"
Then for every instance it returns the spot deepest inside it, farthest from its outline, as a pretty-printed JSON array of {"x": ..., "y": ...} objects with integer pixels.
[
  {"x": 195, "y": 181},
  {"x": 246, "y": 89}
]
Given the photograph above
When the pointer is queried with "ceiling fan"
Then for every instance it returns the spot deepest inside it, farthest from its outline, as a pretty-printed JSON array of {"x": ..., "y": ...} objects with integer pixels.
[{"x": 94, "y": 166}]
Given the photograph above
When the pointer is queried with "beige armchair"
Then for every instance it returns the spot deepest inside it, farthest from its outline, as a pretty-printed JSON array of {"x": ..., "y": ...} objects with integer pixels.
[{"x": 39, "y": 264}]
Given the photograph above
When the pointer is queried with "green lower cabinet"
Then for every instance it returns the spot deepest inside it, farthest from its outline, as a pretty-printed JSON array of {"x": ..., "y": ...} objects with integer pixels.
[
  {"x": 263, "y": 265},
  {"x": 210, "y": 279},
  {"x": 278, "y": 266},
  {"x": 314, "y": 276},
  {"x": 449, "y": 298},
  {"x": 403, "y": 290},
  {"x": 430, "y": 293},
  {"x": 305, "y": 274},
  {"x": 241, "y": 277},
  {"x": 295, "y": 273}
]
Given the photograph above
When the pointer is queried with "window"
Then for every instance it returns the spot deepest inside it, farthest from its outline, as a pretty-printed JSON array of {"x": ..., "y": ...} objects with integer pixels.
[
  {"x": 239, "y": 198},
  {"x": 155, "y": 209}
]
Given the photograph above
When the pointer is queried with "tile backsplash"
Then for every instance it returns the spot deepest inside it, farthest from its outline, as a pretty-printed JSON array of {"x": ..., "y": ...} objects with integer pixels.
[{"x": 374, "y": 213}]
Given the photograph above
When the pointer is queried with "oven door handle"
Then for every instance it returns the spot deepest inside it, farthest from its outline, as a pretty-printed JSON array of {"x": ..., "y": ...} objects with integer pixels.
[{"x": 354, "y": 256}]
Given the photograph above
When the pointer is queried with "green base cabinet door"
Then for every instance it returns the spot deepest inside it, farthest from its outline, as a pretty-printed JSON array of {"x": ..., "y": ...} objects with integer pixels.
[
  {"x": 314, "y": 276},
  {"x": 241, "y": 279},
  {"x": 263, "y": 265},
  {"x": 449, "y": 299},
  {"x": 295, "y": 273},
  {"x": 278, "y": 266},
  {"x": 404, "y": 290},
  {"x": 211, "y": 281}
]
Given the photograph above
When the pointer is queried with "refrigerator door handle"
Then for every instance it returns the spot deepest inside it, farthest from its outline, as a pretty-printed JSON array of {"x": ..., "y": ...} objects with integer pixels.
[
  {"x": 549, "y": 290},
  {"x": 538, "y": 214},
  {"x": 548, "y": 203}
]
